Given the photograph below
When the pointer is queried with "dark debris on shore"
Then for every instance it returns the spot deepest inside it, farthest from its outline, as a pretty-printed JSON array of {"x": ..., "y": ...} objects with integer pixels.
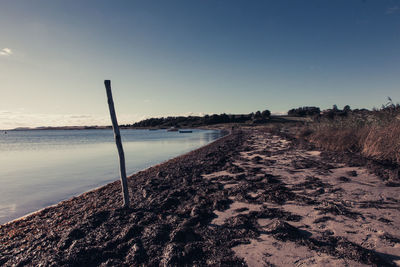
[{"x": 169, "y": 223}]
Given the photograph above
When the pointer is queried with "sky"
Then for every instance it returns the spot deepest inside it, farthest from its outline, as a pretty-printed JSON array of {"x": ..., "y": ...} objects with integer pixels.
[{"x": 192, "y": 57}]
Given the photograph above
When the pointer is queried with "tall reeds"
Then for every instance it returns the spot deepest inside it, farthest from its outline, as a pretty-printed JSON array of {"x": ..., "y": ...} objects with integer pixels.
[{"x": 375, "y": 134}]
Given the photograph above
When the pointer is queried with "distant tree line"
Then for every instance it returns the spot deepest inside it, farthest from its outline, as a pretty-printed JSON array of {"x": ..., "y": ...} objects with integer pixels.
[
  {"x": 304, "y": 111},
  {"x": 196, "y": 121},
  {"x": 255, "y": 117},
  {"x": 332, "y": 112},
  {"x": 336, "y": 112}
]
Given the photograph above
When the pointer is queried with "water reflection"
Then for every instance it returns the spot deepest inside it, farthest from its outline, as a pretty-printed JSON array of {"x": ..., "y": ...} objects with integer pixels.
[{"x": 41, "y": 168}]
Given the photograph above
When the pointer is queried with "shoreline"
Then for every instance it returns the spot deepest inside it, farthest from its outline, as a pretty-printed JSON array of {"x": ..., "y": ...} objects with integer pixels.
[
  {"x": 224, "y": 133},
  {"x": 93, "y": 205},
  {"x": 230, "y": 202}
]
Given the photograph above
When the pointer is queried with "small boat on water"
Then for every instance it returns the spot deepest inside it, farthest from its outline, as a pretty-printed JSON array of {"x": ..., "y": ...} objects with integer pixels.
[
  {"x": 185, "y": 131},
  {"x": 173, "y": 129}
]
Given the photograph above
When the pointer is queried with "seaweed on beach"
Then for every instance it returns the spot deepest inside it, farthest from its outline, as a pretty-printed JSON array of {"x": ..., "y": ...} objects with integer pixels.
[
  {"x": 337, "y": 209},
  {"x": 170, "y": 221}
]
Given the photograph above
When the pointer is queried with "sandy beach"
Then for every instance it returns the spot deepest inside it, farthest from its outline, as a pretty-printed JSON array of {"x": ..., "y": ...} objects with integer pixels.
[{"x": 250, "y": 198}]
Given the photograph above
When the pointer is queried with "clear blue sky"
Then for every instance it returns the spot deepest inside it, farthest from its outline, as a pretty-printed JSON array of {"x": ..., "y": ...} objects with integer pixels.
[{"x": 181, "y": 57}]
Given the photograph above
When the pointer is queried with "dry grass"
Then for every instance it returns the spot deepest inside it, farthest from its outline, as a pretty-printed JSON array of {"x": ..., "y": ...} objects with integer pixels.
[
  {"x": 337, "y": 139},
  {"x": 375, "y": 135},
  {"x": 383, "y": 142}
]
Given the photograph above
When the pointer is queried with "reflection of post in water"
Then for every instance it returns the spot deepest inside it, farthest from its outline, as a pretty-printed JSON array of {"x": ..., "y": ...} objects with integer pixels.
[{"x": 117, "y": 136}]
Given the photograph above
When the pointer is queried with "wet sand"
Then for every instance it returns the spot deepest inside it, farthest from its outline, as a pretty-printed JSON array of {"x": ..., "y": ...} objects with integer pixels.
[{"x": 250, "y": 198}]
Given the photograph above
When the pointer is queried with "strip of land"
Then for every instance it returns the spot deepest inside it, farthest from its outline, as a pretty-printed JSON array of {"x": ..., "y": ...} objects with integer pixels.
[{"x": 251, "y": 197}]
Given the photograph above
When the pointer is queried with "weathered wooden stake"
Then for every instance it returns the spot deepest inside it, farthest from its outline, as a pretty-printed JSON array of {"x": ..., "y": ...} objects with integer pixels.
[{"x": 117, "y": 137}]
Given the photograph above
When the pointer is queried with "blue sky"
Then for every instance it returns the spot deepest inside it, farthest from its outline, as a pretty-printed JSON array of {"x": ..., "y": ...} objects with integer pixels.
[{"x": 201, "y": 57}]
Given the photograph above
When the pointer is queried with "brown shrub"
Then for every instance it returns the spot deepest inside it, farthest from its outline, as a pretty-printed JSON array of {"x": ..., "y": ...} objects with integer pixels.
[
  {"x": 375, "y": 136},
  {"x": 336, "y": 139},
  {"x": 383, "y": 142}
]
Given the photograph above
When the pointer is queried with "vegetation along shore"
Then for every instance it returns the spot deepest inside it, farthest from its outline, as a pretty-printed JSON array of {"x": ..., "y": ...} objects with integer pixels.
[{"x": 318, "y": 191}]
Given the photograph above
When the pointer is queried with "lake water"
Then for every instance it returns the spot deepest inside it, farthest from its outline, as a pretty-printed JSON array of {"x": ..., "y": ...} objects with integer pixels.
[{"x": 42, "y": 167}]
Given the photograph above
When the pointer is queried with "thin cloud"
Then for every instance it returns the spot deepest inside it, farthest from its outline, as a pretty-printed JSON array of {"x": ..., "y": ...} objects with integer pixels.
[
  {"x": 6, "y": 52},
  {"x": 392, "y": 10},
  {"x": 14, "y": 119}
]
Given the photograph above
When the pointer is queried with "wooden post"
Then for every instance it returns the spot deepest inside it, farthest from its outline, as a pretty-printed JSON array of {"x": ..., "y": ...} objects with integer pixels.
[{"x": 117, "y": 137}]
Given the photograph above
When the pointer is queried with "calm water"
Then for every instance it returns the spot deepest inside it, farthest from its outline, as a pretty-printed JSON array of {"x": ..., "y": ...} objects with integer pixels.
[{"x": 40, "y": 168}]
